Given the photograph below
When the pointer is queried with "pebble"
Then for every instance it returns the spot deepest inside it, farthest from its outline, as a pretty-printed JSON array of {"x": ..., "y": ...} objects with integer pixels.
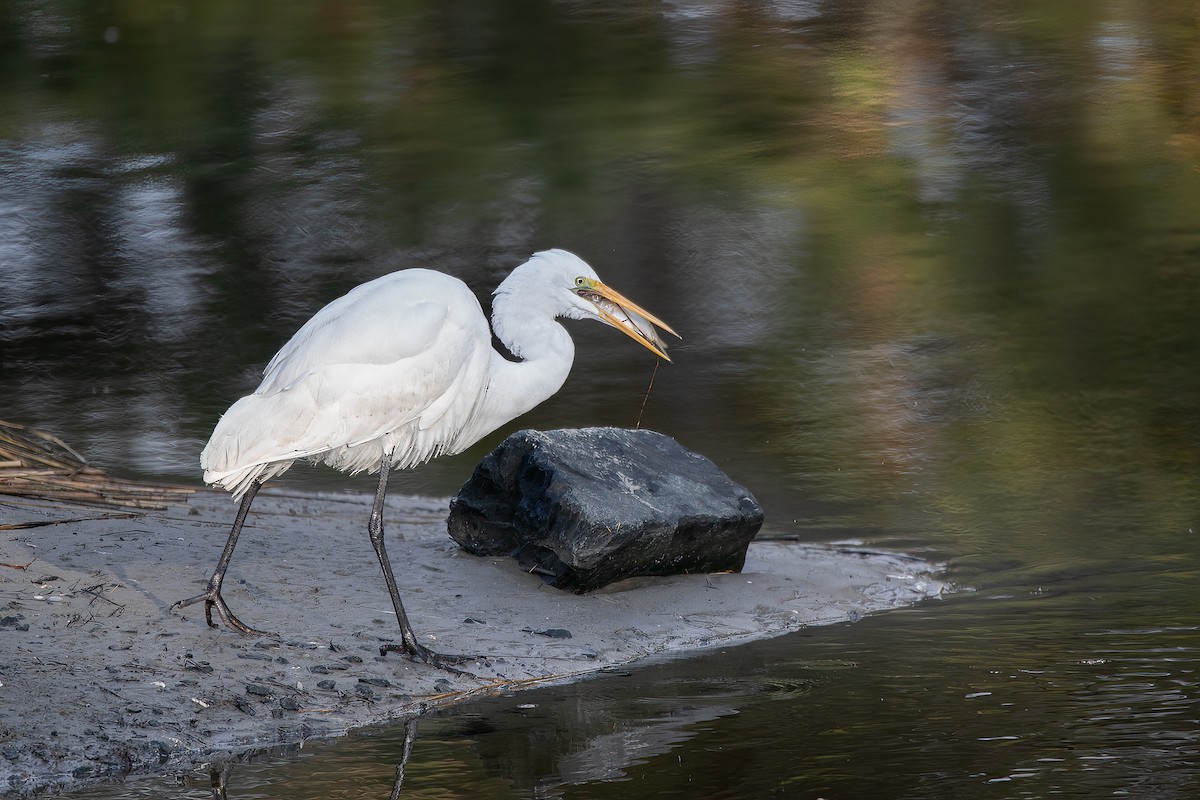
[{"x": 305, "y": 645}]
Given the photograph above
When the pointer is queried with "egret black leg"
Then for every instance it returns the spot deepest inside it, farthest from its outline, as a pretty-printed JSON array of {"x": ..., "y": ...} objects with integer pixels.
[
  {"x": 212, "y": 595},
  {"x": 408, "y": 644}
]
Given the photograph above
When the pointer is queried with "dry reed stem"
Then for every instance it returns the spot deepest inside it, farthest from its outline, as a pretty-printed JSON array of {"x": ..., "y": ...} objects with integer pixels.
[{"x": 37, "y": 464}]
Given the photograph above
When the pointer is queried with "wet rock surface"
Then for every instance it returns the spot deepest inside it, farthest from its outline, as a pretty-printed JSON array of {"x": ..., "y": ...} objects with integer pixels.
[
  {"x": 587, "y": 507},
  {"x": 99, "y": 678}
]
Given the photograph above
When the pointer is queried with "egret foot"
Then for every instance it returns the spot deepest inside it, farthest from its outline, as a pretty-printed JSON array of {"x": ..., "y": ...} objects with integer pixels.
[
  {"x": 212, "y": 599},
  {"x": 423, "y": 655},
  {"x": 212, "y": 595}
]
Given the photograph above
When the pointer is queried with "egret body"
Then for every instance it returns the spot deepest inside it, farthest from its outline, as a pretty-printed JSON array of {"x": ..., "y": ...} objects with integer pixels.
[{"x": 399, "y": 370}]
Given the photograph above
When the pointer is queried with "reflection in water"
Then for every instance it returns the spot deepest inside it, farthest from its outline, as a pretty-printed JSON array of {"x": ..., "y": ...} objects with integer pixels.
[
  {"x": 410, "y": 735},
  {"x": 945, "y": 702},
  {"x": 935, "y": 267},
  {"x": 219, "y": 774}
]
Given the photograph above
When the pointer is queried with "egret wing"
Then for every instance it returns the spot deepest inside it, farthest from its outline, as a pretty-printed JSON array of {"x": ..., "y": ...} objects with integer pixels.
[
  {"x": 391, "y": 367},
  {"x": 382, "y": 321}
]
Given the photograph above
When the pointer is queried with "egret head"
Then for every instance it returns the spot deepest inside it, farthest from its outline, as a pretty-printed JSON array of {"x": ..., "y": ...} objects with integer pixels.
[
  {"x": 561, "y": 284},
  {"x": 576, "y": 292}
]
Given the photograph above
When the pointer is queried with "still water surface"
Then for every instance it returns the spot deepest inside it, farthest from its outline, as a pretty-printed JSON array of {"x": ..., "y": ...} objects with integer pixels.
[{"x": 937, "y": 268}]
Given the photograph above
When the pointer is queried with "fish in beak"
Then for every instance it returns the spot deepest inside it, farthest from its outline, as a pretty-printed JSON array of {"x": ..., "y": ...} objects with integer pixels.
[{"x": 620, "y": 312}]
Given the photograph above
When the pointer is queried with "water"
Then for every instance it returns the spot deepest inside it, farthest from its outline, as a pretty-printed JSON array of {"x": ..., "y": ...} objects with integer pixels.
[{"x": 936, "y": 268}]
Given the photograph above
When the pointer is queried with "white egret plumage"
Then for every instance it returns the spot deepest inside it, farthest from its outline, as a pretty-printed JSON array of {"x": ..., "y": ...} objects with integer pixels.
[{"x": 399, "y": 370}]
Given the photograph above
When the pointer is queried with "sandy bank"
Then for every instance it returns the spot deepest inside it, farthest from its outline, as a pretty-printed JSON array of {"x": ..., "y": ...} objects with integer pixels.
[{"x": 101, "y": 678}]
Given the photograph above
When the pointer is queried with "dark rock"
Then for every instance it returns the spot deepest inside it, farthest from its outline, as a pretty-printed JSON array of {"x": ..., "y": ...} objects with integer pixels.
[
  {"x": 584, "y": 508},
  {"x": 258, "y": 689},
  {"x": 326, "y": 684},
  {"x": 552, "y": 633},
  {"x": 289, "y": 703}
]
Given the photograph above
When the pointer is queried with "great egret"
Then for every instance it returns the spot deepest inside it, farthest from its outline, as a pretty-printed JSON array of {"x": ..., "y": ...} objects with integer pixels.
[{"x": 397, "y": 371}]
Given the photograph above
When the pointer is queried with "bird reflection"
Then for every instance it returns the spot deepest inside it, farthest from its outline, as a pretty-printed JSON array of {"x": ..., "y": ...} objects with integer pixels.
[
  {"x": 410, "y": 735},
  {"x": 219, "y": 774}
]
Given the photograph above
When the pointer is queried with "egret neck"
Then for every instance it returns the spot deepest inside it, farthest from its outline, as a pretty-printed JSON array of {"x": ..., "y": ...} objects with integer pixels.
[{"x": 542, "y": 344}]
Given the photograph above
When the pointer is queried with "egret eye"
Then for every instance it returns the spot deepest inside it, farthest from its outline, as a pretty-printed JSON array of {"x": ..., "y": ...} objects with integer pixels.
[{"x": 581, "y": 281}]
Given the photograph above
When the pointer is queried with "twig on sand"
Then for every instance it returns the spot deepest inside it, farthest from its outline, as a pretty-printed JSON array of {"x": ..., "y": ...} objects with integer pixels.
[{"x": 41, "y": 523}]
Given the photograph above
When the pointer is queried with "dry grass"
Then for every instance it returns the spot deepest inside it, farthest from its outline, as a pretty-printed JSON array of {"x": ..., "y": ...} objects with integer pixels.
[{"x": 34, "y": 463}]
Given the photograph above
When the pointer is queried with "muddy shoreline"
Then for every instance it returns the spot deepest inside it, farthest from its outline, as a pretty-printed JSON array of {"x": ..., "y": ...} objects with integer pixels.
[{"x": 100, "y": 678}]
